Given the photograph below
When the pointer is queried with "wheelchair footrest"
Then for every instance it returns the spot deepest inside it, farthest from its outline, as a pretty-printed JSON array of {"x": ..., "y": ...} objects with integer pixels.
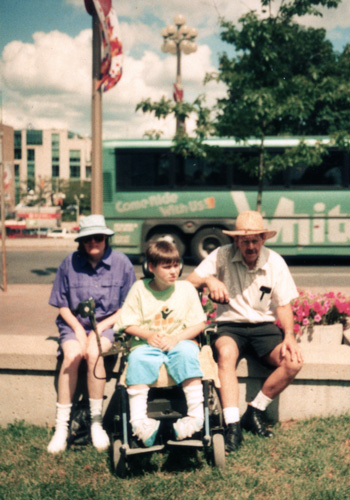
[
  {"x": 193, "y": 443},
  {"x": 137, "y": 451}
]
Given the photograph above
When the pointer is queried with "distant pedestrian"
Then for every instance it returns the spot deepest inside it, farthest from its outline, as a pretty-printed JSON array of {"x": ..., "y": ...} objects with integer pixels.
[{"x": 93, "y": 271}]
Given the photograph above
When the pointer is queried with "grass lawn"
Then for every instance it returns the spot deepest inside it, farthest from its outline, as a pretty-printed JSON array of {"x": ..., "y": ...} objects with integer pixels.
[{"x": 305, "y": 460}]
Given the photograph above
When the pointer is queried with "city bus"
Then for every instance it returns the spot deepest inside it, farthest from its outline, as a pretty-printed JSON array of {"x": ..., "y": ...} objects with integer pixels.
[{"x": 150, "y": 193}]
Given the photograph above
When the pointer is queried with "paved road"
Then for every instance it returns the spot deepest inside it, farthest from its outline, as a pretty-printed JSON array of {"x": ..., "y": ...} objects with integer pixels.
[
  {"x": 24, "y": 307},
  {"x": 40, "y": 266}
]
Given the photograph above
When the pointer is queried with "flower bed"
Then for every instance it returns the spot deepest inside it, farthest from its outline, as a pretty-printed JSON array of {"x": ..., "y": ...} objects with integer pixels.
[{"x": 328, "y": 308}]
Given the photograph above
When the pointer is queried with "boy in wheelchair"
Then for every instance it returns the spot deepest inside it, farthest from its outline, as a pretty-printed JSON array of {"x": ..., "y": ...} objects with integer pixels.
[{"x": 163, "y": 316}]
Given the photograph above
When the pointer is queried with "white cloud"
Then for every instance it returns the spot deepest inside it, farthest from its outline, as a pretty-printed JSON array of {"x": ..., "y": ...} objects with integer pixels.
[
  {"x": 53, "y": 63},
  {"x": 47, "y": 83}
]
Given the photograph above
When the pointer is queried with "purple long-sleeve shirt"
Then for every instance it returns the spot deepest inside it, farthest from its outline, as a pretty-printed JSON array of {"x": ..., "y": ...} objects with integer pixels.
[{"x": 76, "y": 280}]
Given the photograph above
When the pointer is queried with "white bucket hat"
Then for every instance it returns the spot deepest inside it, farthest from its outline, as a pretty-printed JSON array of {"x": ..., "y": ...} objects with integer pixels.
[
  {"x": 93, "y": 224},
  {"x": 249, "y": 223}
]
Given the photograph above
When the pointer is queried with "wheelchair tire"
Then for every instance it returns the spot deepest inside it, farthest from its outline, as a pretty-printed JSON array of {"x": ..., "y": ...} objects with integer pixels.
[
  {"x": 119, "y": 460},
  {"x": 219, "y": 456}
]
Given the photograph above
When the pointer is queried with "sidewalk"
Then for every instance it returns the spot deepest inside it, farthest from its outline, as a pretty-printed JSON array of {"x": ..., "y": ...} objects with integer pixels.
[
  {"x": 39, "y": 244},
  {"x": 24, "y": 310}
]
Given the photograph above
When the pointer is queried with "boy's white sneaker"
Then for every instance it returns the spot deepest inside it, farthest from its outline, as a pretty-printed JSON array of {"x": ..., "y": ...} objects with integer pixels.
[
  {"x": 146, "y": 430},
  {"x": 187, "y": 426}
]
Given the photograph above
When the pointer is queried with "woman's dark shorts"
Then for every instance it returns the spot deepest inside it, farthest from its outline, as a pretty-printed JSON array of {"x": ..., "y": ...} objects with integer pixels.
[{"x": 261, "y": 337}]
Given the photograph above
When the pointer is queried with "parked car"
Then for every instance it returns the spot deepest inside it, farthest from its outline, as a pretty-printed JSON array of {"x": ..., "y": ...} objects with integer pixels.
[{"x": 61, "y": 233}]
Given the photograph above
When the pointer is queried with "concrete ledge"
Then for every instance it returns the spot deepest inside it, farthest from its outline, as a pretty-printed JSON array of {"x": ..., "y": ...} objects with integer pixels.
[{"x": 29, "y": 369}]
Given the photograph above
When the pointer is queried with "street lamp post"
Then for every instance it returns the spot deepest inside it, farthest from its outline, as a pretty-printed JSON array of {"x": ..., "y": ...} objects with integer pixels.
[
  {"x": 77, "y": 200},
  {"x": 177, "y": 38}
]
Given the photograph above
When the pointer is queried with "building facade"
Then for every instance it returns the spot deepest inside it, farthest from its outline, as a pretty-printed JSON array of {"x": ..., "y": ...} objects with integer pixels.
[{"x": 49, "y": 156}]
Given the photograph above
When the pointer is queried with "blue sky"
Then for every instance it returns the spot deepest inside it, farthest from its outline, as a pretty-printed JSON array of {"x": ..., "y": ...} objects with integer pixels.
[{"x": 45, "y": 60}]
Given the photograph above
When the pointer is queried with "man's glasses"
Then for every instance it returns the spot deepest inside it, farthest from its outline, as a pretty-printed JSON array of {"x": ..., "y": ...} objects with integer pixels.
[{"x": 98, "y": 238}]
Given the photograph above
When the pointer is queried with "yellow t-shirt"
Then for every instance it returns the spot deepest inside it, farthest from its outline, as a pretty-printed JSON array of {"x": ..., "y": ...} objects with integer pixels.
[{"x": 169, "y": 311}]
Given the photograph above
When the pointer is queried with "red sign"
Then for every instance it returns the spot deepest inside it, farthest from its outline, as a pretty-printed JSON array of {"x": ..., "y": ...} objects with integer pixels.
[{"x": 38, "y": 215}]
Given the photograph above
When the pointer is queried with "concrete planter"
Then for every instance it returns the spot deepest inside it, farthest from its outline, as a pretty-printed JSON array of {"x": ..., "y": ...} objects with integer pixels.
[{"x": 322, "y": 334}]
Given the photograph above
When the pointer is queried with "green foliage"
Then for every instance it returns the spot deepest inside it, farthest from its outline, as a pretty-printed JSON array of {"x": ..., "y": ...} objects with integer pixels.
[
  {"x": 283, "y": 78},
  {"x": 80, "y": 189},
  {"x": 183, "y": 144}
]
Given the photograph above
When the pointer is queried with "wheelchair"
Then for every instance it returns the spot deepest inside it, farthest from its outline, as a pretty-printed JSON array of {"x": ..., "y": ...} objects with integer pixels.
[{"x": 166, "y": 402}]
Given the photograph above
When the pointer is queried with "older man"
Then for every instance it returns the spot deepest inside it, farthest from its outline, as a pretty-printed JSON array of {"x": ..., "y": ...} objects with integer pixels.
[{"x": 253, "y": 287}]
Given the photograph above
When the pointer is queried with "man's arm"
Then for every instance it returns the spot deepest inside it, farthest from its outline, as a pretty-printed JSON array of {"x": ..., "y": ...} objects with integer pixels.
[
  {"x": 285, "y": 316},
  {"x": 217, "y": 289}
]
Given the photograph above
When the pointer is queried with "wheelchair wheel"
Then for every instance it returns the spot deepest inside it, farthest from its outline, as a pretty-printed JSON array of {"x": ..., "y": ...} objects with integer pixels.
[
  {"x": 119, "y": 459},
  {"x": 219, "y": 450}
]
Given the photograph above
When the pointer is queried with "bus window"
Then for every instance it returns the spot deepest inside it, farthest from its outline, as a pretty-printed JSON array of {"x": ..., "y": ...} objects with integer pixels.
[
  {"x": 201, "y": 172},
  {"x": 142, "y": 169},
  {"x": 330, "y": 172}
]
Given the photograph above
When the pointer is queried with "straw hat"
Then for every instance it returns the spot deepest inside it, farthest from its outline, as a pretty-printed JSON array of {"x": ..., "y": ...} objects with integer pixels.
[
  {"x": 93, "y": 224},
  {"x": 248, "y": 223}
]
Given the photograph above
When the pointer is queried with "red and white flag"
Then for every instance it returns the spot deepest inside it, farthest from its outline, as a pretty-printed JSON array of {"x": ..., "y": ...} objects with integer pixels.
[{"x": 112, "y": 51}]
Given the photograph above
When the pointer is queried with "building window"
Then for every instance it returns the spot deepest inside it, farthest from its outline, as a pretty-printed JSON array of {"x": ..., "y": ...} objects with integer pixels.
[
  {"x": 74, "y": 163},
  {"x": 18, "y": 144},
  {"x": 55, "y": 141},
  {"x": 55, "y": 155},
  {"x": 34, "y": 137},
  {"x": 30, "y": 169},
  {"x": 88, "y": 172},
  {"x": 55, "y": 170}
]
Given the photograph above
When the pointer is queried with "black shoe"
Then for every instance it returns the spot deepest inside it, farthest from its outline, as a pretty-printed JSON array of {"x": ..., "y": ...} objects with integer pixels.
[
  {"x": 233, "y": 437},
  {"x": 253, "y": 421}
]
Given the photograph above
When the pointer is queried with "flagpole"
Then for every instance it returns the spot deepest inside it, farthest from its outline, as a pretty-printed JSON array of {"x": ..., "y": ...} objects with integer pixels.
[{"x": 96, "y": 119}]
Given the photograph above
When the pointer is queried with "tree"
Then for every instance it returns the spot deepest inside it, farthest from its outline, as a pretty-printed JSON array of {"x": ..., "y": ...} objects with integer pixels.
[
  {"x": 183, "y": 144},
  {"x": 283, "y": 79}
]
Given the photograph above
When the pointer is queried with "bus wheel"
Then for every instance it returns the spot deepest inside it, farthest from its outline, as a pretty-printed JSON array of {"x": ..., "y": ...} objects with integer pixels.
[
  {"x": 206, "y": 240},
  {"x": 173, "y": 238}
]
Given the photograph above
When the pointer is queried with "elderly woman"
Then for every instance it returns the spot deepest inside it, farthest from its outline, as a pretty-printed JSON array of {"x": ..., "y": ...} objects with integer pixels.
[{"x": 97, "y": 271}]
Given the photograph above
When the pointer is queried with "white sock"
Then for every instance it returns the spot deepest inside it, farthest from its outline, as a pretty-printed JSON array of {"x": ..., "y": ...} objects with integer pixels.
[
  {"x": 194, "y": 399},
  {"x": 231, "y": 415},
  {"x": 261, "y": 402},
  {"x": 138, "y": 404},
  {"x": 99, "y": 436},
  {"x": 58, "y": 441}
]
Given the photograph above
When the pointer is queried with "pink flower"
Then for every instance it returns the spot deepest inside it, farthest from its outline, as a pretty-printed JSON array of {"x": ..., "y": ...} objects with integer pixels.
[
  {"x": 297, "y": 328},
  {"x": 318, "y": 318},
  {"x": 305, "y": 321}
]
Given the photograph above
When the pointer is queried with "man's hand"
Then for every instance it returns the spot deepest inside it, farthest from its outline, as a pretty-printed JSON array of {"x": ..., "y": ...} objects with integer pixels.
[
  {"x": 290, "y": 344},
  {"x": 218, "y": 291}
]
